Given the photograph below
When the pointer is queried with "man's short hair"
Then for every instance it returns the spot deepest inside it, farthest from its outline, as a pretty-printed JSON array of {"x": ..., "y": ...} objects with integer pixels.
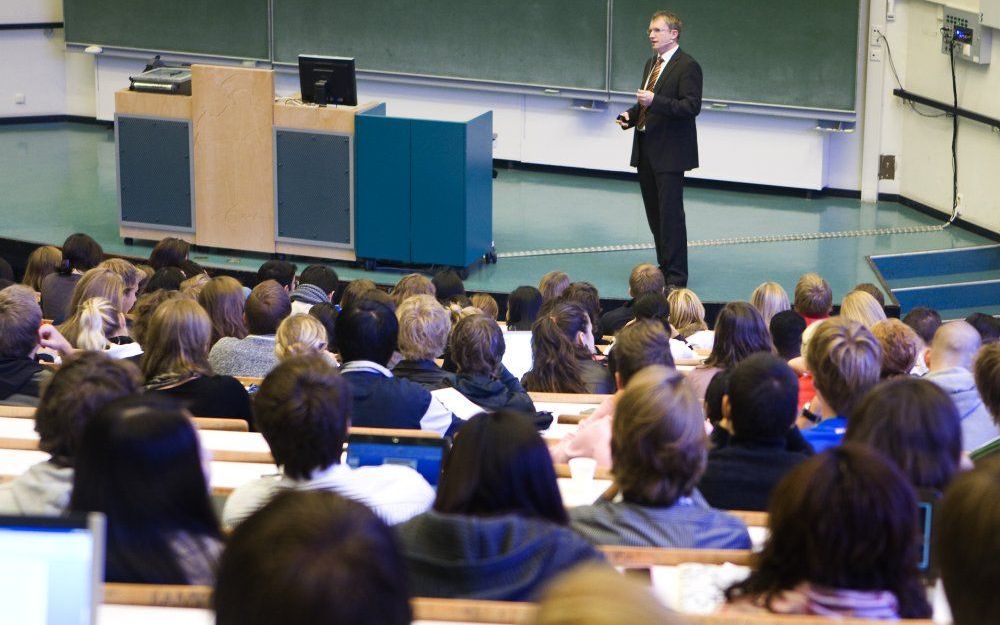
[
  {"x": 477, "y": 345},
  {"x": 673, "y": 22},
  {"x": 20, "y": 317},
  {"x": 367, "y": 330},
  {"x": 77, "y": 391},
  {"x": 281, "y": 271},
  {"x": 412, "y": 284},
  {"x": 645, "y": 278},
  {"x": 872, "y": 290},
  {"x": 813, "y": 297},
  {"x": 987, "y": 372},
  {"x": 845, "y": 361},
  {"x": 987, "y": 326},
  {"x": 786, "y": 333},
  {"x": 424, "y": 325},
  {"x": 322, "y": 276},
  {"x": 966, "y": 544},
  {"x": 303, "y": 410},
  {"x": 925, "y": 321},
  {"x": 354, "y": 290},
  {"x": 901, "y": 346},
  {"x": 267, "y": 305},
  {"x": 763, "y": 397},
  {"x": 639, "y": 345},
  {"x": 312, "y": 557},
  {"x": 659, "y": 448}
]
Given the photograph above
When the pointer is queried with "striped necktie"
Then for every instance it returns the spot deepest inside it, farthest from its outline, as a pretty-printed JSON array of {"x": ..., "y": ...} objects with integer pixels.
[{"x": 654, "y": 75}]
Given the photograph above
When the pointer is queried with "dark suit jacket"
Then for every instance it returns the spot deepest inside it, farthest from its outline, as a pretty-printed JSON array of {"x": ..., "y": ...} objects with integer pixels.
[{"x": 671, "y": 136}]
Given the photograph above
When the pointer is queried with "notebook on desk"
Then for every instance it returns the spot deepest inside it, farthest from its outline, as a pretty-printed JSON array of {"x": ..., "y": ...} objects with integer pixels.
[{"x": 51, "y": 569}]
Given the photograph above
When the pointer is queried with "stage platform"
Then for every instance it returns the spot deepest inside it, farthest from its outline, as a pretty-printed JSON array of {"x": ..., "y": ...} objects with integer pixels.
[{"x": 60, "y": 178}]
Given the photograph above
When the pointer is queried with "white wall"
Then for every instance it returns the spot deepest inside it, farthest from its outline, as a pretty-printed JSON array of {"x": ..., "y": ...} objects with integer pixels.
[{"x": 544, "y": 130}]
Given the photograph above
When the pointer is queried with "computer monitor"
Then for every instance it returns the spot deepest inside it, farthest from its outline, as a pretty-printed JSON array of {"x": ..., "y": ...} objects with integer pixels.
[
  {"x": 423, "y": 455},
  {"x": 51, "y": 569},
  {"x": 327, "y": 80}
]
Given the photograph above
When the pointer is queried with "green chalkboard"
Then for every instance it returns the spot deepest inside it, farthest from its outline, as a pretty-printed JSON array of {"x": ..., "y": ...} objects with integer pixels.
[
  {"x": 235, "y": 28},
  {"x": 532, "y": 42},
  {"x": 781, "y": 52}
]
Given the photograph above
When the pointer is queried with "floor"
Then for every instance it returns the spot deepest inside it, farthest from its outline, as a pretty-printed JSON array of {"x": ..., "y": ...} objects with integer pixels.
[{"x": 60, "y": 178}]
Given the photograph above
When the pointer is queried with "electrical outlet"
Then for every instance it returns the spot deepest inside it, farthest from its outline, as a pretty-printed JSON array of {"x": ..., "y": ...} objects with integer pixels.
[
  {"x": 876, "y": 36},
  {"x": 19, "y": 98},
  {"x": 875, "y": 55}
]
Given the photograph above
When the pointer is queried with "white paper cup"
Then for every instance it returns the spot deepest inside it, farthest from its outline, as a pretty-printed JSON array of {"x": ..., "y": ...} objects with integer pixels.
[{"x": 582, "y": 469}]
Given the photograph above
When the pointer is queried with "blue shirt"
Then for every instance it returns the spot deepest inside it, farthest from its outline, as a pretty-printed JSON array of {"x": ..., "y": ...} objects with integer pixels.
[{"x": 826, "y": 434}]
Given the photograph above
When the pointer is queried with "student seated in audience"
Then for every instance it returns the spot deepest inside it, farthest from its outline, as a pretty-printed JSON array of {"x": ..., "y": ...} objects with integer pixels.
[
  {"x": 845, "y": 362},
  {"x": 987, "y": 326},
  {"x": 562, "y": 347},
  {"x": 760, "y": 409},
  {"x": 786, "y": 333},
  {"x": 925, "y": 322},
  {"x": 598, "y": 595},
  {"x": 423, "y": 335},
  {"x": 317, "y": 285},
  {"x": 253, "y": 356},
  {"x": 687, "y": 316},
  {"x": 78, "y": 390},
  {"x": 966, "y": 541},
  {"x": 175, "y": 363},
  {"x": 477, "y": 347},
  {"x": 366, "y": 335},
  {"x": 862, "y": 307},
  {"x": 950, "y": 362},
  {"x": 587, "y": 297},
  {"x": 353, "y": 290},
  {"x": 486, "y": 303},
  {"x": 914, "y": 424},
  {"x": 281, "y": 271},
  {"x": 42, "y": 261},
  {"x": 302, "y": 335},
  {"x": 96, "y": 282},
  {"x": 145, "y": 306},
  {"x": 80, "y": 253},
  {"x": 637, "y": 345},
  {"x": 303, "y": 409},
  {"x": 139, "y": 462},
  {"x": 769, "y": 299},
  {"x": 96, "y": 326},
  {"x": 552, "y": 285},
  {"x": 224, "y": 301},
  {"x": 412, "y": 284},
  {"x": 498, "y": 526},
  {"x": 131, "y": 277},
  {"x": 842, "y": 542},
  {"x": 21, "y": 333},
  {"x": 644, "y": 279},
  {"x": 169, "y": 252},
  {"x": 327, "y": 315},
  {"x": 447, "y": 284},
  {"x": 523, "y": 305},
  {"x": 309, "y": 558},
  {"x": 987, "y": 375},
  {"x": 658, "y": 454},
  {"x": 656, "y": 306},
  {"x": 901, "y": 347},
  {"x": 872, "y": 290},
  {"x": 813, "y": 298},
  {"x": 739, "y": 332},
  {"x": 165, "y": 279}
]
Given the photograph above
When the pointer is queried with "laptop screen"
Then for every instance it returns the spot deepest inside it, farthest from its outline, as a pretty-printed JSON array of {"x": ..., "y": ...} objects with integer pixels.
[
  {"x": 423, "y": 455},
  {"x": 50, "y": 569}
]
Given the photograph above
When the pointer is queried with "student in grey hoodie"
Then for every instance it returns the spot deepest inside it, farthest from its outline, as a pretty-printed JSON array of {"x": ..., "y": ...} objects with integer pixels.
[
  {"x": 950, "y": 362},
  {"x": 78, "y": 390}
]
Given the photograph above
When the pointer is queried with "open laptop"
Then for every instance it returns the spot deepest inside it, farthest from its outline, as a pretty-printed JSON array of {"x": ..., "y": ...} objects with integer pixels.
[
  {"x": 51, "y": 569},
  {"x": 424, "y": 455}
]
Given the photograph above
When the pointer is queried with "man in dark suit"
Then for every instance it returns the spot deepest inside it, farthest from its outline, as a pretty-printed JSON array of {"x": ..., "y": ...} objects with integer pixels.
[{"x": 666, "y": 141}]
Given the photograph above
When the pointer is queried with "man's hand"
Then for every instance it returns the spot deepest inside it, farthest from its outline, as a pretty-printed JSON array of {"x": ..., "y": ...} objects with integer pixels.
[
  {"x": 622, "y": 120},
  {"x": 49, "y": 337},
  {"x": 645, "y": 97}
]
